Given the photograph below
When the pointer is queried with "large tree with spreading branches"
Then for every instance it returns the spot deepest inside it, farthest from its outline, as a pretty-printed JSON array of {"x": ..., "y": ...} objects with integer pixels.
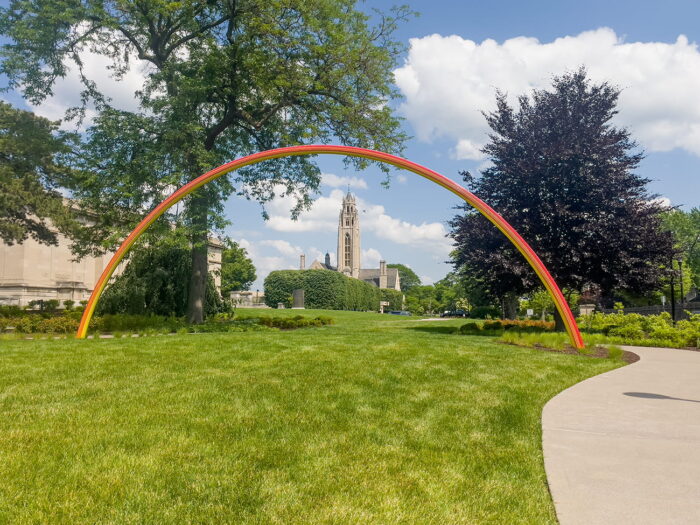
[
  {"x": 222, "y": 79},
  {"x": 32, "y": 175},
  {"x": 564, "y": 177}
]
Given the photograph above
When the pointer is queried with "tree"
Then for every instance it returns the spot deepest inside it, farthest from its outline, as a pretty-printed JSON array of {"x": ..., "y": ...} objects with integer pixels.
[
  {"x": 222, "y": 79},
  {"x": 155, "y": 282},
  {"x": 31, "y": 173},
  {"x": 237, "y": 270},
  {"x": 563, "y": 176},
  {"x": 407, "y": 277},
  {"x": 685, "y": 227}
]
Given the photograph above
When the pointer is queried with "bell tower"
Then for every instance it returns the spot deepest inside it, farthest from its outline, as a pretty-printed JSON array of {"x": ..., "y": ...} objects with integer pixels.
[{"x": 349, "y": 238}]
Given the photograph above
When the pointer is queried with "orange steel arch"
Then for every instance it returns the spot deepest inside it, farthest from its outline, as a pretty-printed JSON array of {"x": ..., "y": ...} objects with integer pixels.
[{"x": 473, "y": 200}]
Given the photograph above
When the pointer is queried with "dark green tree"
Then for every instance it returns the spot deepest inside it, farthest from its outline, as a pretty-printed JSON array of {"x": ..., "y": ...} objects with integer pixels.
[
  {"x": 408, "y": 277},
  {"x": 237, "y": 270},
  {"x": 155, "y": 280},
  {"x": 31, "y": 174},
  {"x": 563, "y": 176},
  {"x": 223, "y": 78}
]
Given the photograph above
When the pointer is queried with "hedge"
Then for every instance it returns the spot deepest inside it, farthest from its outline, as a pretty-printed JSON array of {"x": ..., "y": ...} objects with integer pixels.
[{"x": 327, "y": 290}]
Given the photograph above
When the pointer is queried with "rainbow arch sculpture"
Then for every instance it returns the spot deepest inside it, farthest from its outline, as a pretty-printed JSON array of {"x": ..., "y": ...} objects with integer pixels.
[{"x": 470, "y": 198}]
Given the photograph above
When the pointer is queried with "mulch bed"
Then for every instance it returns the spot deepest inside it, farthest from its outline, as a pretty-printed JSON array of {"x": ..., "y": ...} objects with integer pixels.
[{"x": 600, "y": 352}]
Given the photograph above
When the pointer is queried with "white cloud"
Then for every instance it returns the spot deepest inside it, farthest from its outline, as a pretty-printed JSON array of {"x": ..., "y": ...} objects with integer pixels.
[
  {"x": 449, "y": 80},
  {"x": 370, "y": 258},
  {"x": 401, "y": 178},
  {"x": 664, "y": 202},
  {"x": 66, "y": 91},
  {"x": 334, "y": 181},
  {"x": 323, "y": 215},
  {"x": 426, "y": 280},
  {"x": 284, "y": 247}
]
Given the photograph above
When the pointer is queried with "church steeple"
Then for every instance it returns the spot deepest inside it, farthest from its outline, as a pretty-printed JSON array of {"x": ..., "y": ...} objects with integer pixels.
[{"x": 349, "y": 237}]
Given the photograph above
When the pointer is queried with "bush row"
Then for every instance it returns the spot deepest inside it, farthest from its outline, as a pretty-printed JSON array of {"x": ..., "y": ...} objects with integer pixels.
[
  {"x": 644, "y": 330},
  {"x": 496, "y": 327},
  {"x": 119, "y": 323},
  {"x": 327, "y": 290}
]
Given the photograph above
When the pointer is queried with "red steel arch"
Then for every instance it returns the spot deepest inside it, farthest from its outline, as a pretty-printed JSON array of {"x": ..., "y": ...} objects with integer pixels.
[{"x": 473, "y": 200}]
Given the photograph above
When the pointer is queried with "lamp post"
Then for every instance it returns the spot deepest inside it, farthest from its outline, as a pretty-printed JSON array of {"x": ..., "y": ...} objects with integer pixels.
[
  {"x": 680, "y": 267},
  {"x": 673, "y": 293}
]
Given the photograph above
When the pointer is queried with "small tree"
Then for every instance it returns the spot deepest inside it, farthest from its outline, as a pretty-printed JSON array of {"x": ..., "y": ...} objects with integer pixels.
[
  {"x": 685, "y": 227},
  {"x": 407, "y": 277},
  {"x": 237, "y": 269},
  {"x": 563, "y": 176}
]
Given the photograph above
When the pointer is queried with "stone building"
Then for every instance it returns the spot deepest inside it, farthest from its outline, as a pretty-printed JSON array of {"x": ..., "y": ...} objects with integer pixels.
[
  {"x": 349, "y": 252},
  {"x": 32, "y": 271}
]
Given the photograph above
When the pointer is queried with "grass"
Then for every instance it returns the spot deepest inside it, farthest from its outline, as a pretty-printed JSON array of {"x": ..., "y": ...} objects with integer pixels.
[{"x": 374, "y": 420}]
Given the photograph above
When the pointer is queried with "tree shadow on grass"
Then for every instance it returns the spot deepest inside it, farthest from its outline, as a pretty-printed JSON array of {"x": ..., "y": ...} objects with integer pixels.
[{"x": 435, "y": 329}]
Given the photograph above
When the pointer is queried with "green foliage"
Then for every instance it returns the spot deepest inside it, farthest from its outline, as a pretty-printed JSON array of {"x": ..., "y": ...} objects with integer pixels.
[
  {"x": 644, "y": 330},
  {"x": 31, "y": 173},
  {"x": 407, "y": 277},
  {"x": 221, "y": 80},
  {"x": 33, "y": 324},
  {"x": 499, "y": 326},
  {"x": 51, "y": 305},
  {"x": 685, "y": 227},
  {"x": 155, "y": 281},
  {"x": 323, "y": 289},
  {"x": 485, "y": 312},
  {"x": 393, "y": 297},
  {"x": 557, "y": 155},
  {"x": 237, "y": 269}
]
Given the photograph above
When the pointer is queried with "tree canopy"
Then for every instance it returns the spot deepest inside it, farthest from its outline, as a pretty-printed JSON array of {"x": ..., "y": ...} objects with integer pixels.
[
  {"x": 222, "y": 79},
  {"x": 154, "y": 282},
  {"x": 407, "y": 277},
  {"x": 31, "y": 173},
  {"x": 685, "y": 227},
  {"x": 563, "y": 176},
  {"x": 237, "y": 270}
]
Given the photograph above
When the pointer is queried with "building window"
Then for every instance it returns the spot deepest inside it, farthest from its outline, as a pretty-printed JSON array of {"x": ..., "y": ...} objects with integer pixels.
[{"x": 348, "y": 253}]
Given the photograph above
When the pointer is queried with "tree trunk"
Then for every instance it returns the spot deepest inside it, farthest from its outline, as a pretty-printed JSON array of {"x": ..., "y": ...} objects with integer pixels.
[
  {"x": 559, "y": 325},
  {"x": 196, "y": 298},
  {"x": 510, "y": 306}
]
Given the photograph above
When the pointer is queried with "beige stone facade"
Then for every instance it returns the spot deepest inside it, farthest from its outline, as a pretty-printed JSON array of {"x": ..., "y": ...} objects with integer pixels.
[{"x": 32, "y": 271}]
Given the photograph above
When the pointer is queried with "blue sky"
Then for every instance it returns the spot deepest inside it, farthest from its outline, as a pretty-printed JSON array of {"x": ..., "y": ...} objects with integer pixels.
[{"x": 458, "y": 54}]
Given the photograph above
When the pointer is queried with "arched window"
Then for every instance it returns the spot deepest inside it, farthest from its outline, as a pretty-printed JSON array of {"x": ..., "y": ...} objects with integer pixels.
[{"x": 348, "y": 252}]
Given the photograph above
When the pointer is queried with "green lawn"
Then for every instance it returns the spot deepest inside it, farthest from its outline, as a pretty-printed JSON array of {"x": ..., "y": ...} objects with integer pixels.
[{"x": 376, "y": 419}]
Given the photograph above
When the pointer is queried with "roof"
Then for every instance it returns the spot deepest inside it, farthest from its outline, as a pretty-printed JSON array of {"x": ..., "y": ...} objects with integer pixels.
[{"x": 372, "y": 276}]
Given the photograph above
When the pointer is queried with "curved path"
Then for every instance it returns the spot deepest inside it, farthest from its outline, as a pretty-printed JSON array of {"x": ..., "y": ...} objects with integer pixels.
[{"x": 624, "y": 447}]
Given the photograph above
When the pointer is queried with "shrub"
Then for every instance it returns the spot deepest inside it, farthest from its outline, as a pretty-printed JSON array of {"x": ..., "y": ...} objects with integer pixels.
[
  {"x": 395, "y": 299},
  {"x": 484, "y": 312},
  {"x": 470, "y": 328},
  {"x": 51, "y": 305},
  {"x": 323, "y": 289},
  {"x": 652, "y": 330}
]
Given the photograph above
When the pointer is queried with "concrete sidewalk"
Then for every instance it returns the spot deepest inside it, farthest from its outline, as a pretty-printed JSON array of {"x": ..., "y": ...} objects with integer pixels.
[{"x": 624, "y": 447}]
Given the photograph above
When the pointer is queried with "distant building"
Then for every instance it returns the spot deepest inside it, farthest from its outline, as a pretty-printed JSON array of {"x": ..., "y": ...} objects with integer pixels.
[{"x": 349, "y": 252}]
